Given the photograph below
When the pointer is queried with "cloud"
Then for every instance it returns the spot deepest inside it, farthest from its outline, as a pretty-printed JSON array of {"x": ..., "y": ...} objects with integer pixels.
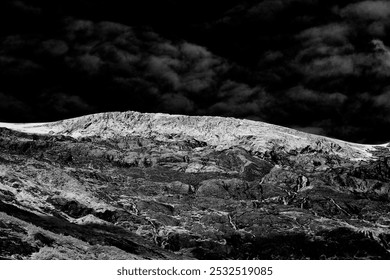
[
  {"x": 14, "y": 66},
  {"x": 64, "y": 105},
  {"x": 317, "y": 65},
  {"x": 162, "y": 67},
  {"x": 193, "y": 51},
  {"x": 86, "y": 63},
  {"x": 310, "y": 107},
  {"x": 331, "y": 66},
  {"x": 333, "y": 56},
  {"x": 301, "y": 94},
  {"x": 27, "y": 8},
  {"x": 176, "y": 103},
  {"x": 368, "y": 10},
  {"x": 55, "y": 47},
  {"x": 239, "y": 100},
  {"x": 268, "y": 10},
  {"x": 330, "y": 34},
  {"x": 111, "y": 66},
  {"x": 381, "y": 101},
  {"x": 382, "y": 51}
]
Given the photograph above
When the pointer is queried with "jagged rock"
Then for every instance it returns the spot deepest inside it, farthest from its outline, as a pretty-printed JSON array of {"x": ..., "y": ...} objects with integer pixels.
[
  {"x": 302, "y": 182},
  {"x": 72, "y": 208},
  {"x": 90, "y": 219},
  {"x": 229, "y": 188},
  {"x": 167, "y": 187},
  {"x": 179, "y": 188}
]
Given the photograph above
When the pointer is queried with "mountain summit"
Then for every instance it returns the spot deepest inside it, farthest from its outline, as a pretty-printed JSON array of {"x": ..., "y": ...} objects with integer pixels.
[
  {"x": 138, "y": 186},
  {"x": 223, "y": 133}
]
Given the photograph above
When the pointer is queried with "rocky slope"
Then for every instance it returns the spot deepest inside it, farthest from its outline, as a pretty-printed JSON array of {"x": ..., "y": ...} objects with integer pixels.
[{"x": 154, "y": 186}]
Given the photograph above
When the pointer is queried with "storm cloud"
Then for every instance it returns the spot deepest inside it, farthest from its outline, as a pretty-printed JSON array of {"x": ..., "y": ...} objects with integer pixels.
[{"x": 315, "y": 65}]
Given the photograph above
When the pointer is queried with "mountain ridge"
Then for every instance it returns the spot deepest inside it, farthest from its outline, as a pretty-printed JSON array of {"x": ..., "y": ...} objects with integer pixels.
[{"x": 221, "y": 132}]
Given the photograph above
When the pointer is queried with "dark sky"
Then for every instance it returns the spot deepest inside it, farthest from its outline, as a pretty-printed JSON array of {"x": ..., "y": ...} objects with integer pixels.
[{"x": 321, "y": 66}]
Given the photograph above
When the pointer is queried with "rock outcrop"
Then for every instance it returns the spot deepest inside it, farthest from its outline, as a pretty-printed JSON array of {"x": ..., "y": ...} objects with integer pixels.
[{"x": 141, "y": 186}]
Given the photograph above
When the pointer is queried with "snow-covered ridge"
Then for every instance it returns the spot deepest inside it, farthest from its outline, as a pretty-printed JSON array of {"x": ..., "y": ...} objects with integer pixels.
[{"x": 217, "y": 131}]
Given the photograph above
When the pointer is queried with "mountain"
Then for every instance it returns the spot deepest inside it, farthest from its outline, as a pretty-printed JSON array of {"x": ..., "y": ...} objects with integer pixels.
[{"x": 129, "y": 185}]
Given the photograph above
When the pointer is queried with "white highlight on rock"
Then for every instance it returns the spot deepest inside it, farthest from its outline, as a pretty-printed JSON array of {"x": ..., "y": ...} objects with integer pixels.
[{"x": 220, "y": 132}]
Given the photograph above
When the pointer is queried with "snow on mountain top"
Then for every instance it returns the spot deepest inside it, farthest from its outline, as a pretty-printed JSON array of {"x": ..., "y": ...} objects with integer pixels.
[
  {"x": 37, "y": 128},
  {"x": 217, "y": 131}
]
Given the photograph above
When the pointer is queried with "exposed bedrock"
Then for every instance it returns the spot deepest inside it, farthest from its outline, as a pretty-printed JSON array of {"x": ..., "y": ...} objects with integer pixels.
[{"x": 170, "y": 191}]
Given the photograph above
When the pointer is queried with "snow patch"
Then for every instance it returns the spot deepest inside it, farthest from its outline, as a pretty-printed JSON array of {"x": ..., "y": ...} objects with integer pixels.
[{"x": 222, "y": 133}]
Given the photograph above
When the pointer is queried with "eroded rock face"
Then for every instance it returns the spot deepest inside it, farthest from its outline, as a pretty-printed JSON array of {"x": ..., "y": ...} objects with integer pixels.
[{"x": 172, "y": 196}]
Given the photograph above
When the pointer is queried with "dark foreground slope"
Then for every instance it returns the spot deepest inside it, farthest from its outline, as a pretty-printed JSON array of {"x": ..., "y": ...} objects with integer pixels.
[{"x": 134, "y": 197}]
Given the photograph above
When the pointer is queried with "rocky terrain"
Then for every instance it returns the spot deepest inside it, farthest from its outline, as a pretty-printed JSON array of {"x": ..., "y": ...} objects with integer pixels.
[{"x": 154, "y": 186}]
